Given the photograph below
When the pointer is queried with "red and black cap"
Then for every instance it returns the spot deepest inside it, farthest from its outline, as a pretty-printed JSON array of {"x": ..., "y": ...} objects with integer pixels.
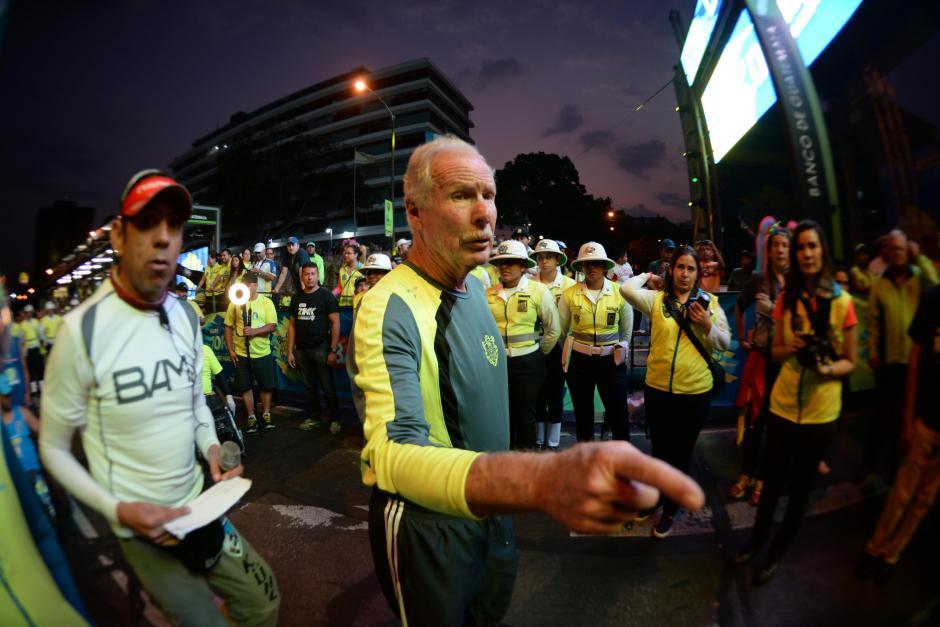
[{"x": 146, "y": 185}]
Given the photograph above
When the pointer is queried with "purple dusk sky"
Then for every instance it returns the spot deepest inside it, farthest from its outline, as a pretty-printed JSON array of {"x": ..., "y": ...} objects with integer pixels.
[{"x": 95, "y": 91}]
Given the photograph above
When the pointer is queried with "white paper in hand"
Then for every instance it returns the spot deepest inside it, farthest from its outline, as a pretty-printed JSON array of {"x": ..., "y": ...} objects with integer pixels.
[{"x": 209, "y": 506}]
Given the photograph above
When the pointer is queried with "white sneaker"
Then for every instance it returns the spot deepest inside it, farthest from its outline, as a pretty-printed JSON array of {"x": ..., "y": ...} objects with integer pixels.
[{"x": 335, "y": 427}]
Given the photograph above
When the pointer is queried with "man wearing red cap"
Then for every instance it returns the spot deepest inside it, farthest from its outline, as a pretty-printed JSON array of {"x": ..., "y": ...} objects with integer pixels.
[{"x": 125, "y": 372}]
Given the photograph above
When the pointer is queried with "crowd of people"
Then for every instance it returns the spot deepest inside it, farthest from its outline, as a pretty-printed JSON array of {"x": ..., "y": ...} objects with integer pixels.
[{"x": 430, "y": 324}]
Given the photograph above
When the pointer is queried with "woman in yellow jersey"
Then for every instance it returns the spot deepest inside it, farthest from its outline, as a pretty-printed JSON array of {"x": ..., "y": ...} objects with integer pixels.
[
  {"x": 236, "y": 273},
  {"x": 525, "y": 313},
  {"x": 814, "y": 339},
  {"x": 600, "y": 322},
  {"x": 549, "y": 407},
  {"x": 678, "y": 379}
]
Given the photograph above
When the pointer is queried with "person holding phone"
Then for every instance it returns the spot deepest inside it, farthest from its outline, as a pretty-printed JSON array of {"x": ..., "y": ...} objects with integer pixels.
[
  {"x": 679, "y": 380},
  {"x": 600, "y": 323}
]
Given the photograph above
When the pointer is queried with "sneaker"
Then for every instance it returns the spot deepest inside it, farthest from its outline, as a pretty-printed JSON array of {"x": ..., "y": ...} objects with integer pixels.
[
  {"x": 644, "y": 514},
  {"x": 765, "y": 572},
  {"x": 335, "y": 427},
  {"x": 739, "y": 488},
  {"x": 754, "y": 501},
  {"x": 664, "y": 527},
  {"x": 252, "y": 425},
  {"x": 309, "y": 424},
  {"x": 268, "y": 425}
]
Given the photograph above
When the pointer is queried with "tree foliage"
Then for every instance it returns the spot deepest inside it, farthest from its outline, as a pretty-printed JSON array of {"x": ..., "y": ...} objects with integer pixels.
[{"x": 545, "y": 190}]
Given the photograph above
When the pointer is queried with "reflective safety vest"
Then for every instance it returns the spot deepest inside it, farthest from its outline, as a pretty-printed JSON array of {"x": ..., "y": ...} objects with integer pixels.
[
  {"x": 674, "y": 365},
  {"x": 517, "y": 316},
  {"x": 28, "y": 331},
  {"x": 597, "y": 325},
  {"x": 559, "y": 285},
  {"x": 347, "y": 284},
  {"x": 480, "y": 273},
  {"x": 50, "y": 326}
]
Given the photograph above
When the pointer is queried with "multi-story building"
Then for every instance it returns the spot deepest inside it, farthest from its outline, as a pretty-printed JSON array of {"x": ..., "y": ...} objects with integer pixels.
[{"x": 338, "y": 136}]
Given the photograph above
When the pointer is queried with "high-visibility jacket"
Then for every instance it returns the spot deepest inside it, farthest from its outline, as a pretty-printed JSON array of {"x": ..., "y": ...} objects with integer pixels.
[
  {"x": 480, "y": 273},
  {"x": 559, "y": 285},
  {"x": 521, "y": 312},
  {"x": 605, "y": 323},
  {"x": 28, "y": 330},
  {"x": 50, "y": 324},
  {"x": 891, "y": 309},
  {"x": 674, "y": 365},
  {"x": 347, "y": 285}
]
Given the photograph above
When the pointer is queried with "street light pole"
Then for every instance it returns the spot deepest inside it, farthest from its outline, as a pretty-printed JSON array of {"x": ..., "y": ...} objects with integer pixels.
[{"x": 361, "y": 86}]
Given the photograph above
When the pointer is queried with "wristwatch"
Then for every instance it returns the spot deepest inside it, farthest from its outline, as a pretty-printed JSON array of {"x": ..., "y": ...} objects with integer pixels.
[{"x": 336, "y": 349}]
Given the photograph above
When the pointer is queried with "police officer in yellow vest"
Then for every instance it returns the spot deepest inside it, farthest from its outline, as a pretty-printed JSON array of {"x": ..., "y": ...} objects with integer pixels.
[
  {"x": 49, "y": 325},
  {"x": 28, "y": 331},
  {"x": 550, "y": 403},
  {"x": 348, "y": 273},
  {"x": 600, "y": 322},
  {"x": 522, "y": 308}
]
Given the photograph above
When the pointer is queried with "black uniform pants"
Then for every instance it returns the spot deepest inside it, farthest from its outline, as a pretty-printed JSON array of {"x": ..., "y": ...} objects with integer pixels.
[
  {"x": 884, "y": 422},
  {"x": 550, "y": 406},
  {"x": 584, "y": 373},
  {"x": 441, "y": 570},
  {"x": 793, "y": 454},
  {"x": 526, "y": 376},
  {"x": 317, "y": 374}
]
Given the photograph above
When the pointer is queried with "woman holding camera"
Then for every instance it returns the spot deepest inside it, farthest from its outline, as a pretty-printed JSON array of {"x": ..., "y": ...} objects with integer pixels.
[
  {"x": 814, "y": 339},
  {"x": 679, "y": 380}
]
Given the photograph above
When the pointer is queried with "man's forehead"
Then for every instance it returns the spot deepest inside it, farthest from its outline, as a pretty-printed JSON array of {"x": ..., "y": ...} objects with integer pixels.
[{"x": 461, "y": 167}]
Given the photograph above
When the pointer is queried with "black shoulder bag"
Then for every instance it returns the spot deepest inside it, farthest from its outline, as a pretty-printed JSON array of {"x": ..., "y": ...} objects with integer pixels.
[{"x": 717, "y": 372}]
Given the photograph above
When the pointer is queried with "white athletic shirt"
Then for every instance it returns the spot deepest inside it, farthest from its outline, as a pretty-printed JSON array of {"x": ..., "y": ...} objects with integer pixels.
[{"x": 133, "y": 389}]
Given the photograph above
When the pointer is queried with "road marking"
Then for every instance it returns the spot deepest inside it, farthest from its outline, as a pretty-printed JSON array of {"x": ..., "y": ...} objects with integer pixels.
[{"x": 310, "y": 516}]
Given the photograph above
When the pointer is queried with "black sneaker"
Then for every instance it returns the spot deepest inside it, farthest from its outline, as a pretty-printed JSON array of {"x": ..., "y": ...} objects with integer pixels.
[
  {"x": 252, "y": 426},
  {"x": 268, "y": 425},
  {"x": 644, "y": 514},
  {"x": 765, "y": 572},
  {"x": 664, "y": 527}
]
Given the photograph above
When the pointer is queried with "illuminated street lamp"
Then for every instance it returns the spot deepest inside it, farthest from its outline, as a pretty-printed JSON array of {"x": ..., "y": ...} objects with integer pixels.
[{"x": 362, "y": 87}]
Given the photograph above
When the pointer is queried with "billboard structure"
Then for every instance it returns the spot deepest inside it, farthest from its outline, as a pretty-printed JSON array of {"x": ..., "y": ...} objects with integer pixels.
[{"x": 738, "y": 59}]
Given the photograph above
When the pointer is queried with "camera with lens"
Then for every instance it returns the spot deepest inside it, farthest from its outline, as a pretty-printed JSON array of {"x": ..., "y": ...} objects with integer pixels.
[
  {"x": 704, "y": 299},
  {"x": 817, "y": 350}
]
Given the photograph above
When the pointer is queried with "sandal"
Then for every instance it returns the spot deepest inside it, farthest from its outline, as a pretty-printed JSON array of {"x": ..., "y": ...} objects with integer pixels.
[
  {"x": 754, "y": 501},
  {"x": 739, "y": 488}
]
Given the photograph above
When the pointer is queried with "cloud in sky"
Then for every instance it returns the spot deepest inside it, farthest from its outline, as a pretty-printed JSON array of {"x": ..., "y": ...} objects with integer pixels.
[
  {"x": 569, "y": 119},
  {"x": 493, "y": 71},
  {"x": 640, "y": 158},
  {"x": 672, "y": 199}
]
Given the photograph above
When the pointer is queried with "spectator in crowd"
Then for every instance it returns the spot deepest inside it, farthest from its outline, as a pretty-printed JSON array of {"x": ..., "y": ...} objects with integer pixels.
[
  {"x": 892, "y": 301},
  {"x": 315, "y": 258},
  {"x": 13, "y": 363},
  {"x": 403, "y": 245},
  {"x": 19, "y": 425},
  {"x": 520, "y": 307},
  {"x": 814, "y": 339},
  {"x": 142, "y": 421},
  {"x": 622, "y": 269},
  {"x": 918, "y": 478},
  {"x": 521, "y": 234},
  {"x": 858, "y": 273},
  {"x": 181, "y": 291},
  {"x": 313, "y": 345},
  {"x": 449, "y": 482},
  {"x": 878, "y": 265},
  {"x": 601, "y": 323},
  {"x": 249, "y": 326},
  {"x": 262, "y": 269},
  {"x": 550, "y": 405},
  {"x": 236, "y": 272},
  {"x": 348, "y": 273},
  {"x": 713, "y": 265},
  {"x": 288, "y": 283},
  {"x": 660, "y": 266},
  {"x": 377, "y": 266},
  {"x": 246, "y": 257},
  {"x": 220, "y": 286},
  {"x": 271, "y": 256},
  {"x": 685, "y": 322},
  {"x": 208, "y": 277},
  {"x": 760, "y": 369},
  {"x": 742, "y": 274}
]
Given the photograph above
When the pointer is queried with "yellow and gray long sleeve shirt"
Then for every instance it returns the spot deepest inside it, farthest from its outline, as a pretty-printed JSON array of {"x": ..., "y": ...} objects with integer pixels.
[{"x": 429, "y": 379}]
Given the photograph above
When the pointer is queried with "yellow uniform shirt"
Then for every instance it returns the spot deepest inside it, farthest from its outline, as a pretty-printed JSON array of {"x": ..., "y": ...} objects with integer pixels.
[
  {"x": 210, "y": 368},
  {"x": 261, "y": 312},
  {"x": 347, "y": 284}
]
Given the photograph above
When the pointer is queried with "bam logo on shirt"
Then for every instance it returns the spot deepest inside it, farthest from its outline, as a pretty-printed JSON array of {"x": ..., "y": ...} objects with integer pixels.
[{"x": 131, "y": 384}]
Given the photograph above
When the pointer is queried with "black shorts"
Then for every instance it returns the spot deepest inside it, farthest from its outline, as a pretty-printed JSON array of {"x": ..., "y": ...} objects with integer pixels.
[{"x": 263, "y": 369}]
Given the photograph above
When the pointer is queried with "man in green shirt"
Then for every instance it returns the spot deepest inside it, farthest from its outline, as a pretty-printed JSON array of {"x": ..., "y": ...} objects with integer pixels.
[
  {"x": 430, "y": 384},
  {"x": 315, "y": 258}
]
